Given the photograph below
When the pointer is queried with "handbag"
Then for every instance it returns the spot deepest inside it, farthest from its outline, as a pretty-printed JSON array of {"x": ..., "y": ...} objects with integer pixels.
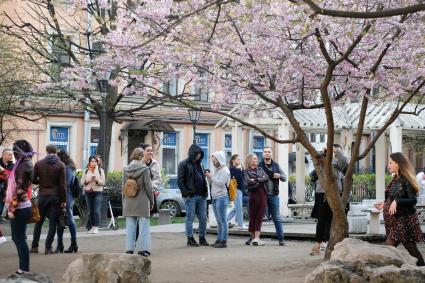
[
  {"x": 63, "y": 218},
  {"x": 35, "y": 213}
]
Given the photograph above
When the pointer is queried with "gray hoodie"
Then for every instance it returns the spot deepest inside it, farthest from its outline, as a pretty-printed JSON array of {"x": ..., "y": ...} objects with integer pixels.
[
  {"x": 139, "y": 205},
  {"x": 221, "y": 178}
]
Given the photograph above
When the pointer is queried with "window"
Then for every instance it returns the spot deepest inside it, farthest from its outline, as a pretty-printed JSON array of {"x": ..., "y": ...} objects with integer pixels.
[
  {"x": 171, "y": 87},
  {"x": 313, "y": 137},
  {"x": 258, "y": 143},
  {"x": 169, "y": 152},
  {"x": 59, "y": 136},
  {"x": 94, "y": 140},
  {"x": 322, "y": 138},
  {"x": 228, "y": 146},
  {"x": 59, "y": 49},
  {"x": 203, "y": 140}
]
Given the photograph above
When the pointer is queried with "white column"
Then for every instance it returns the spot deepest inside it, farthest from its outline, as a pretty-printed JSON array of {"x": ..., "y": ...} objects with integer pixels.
[
  {"x": 347, "y": 139},
  {"x": 237, "y": 139},
  {"x": 380, "y": 167},
  {"x": 282, "y": 159},
  {"x": 300, "y": 173},
  {"x": 396, "y": 137}
]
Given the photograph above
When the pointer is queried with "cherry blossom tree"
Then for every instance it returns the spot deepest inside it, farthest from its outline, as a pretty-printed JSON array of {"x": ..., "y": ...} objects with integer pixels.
[{"x": 264, "y": 56}]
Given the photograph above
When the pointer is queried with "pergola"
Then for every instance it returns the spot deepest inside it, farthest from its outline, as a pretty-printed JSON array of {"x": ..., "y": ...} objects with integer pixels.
[{"x": 346, "y": 119}]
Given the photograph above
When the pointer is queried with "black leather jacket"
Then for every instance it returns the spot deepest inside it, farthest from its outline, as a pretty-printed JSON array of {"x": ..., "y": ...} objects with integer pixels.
[
  {"x": 405, "y": 196},
  {"x": 185, "y": 174}
]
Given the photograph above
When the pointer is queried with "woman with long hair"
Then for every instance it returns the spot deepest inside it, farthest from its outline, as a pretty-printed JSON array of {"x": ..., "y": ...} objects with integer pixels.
[
  {"x": 18, "y": 200},
  {"x": 93, "y": 181},
  {"x": 136, "y": 208},
  {"x": 255, "y": 181},
  {"x": 70, "y": 176},
  {"x": 236, "y": 172},
  {"x": 400, "y": 218}
]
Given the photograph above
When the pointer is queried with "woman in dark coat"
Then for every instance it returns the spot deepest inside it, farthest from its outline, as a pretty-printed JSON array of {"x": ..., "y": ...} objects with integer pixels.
[
  {"x": 255, "y": 179},
  {"x": 400, "y": 218}
]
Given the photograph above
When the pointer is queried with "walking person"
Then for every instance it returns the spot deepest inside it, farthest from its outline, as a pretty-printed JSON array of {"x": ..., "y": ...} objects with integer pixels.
[
  {"x": 236, "y": 172},
  {"x": 220, "y": 198},
  {"x": 194, "y": 188},
  {"x": 136, "y": 208},
  {"x": 49, "y": 173},
  {"x": 93, "y": 181},
  {"x": 6, "y": 166},
  {"x": 275, "y": 174},
  {"x": 18, "y": 197},
  {"x": 400, "y": 218},
  {"x": 70, "y": 177},
  {"x": 255, "y": 182}
]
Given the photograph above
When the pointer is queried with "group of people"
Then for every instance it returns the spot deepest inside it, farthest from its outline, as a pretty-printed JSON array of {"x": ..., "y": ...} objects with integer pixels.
[
  {"x": 55, "y": 176},
  {"x": 259, "y": 179}
]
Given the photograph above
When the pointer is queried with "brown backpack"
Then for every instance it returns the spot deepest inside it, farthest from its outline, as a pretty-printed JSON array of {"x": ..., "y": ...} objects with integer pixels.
[{"x": 131, "y": 187}]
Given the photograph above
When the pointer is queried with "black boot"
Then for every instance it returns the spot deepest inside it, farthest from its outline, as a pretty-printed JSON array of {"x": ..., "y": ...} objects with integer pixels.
[
  {"x": 59, "y": 248},
  {"x": 203, "y": 242},
  {"x": 221, "y": 244},
  {"x": 73, "y": 248},
  {"x": 191, "y": 242},
  {"x": 216, "y": 242}
]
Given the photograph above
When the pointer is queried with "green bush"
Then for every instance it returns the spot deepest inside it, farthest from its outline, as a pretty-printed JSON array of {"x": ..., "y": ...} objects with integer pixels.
[{"x": 114, "y": 185}]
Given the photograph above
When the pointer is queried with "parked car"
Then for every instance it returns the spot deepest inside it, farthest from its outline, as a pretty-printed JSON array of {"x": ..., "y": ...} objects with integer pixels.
[{"x": 171, "y": 198}]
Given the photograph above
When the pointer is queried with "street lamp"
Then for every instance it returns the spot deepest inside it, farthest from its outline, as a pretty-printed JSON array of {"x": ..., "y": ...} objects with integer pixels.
[
  {"x": 103, "y": 89},
  {"x": 194, "y": 115}
]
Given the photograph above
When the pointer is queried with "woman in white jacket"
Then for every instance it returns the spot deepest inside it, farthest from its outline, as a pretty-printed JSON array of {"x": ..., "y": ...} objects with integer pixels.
[{"x": 220, "y": 199}]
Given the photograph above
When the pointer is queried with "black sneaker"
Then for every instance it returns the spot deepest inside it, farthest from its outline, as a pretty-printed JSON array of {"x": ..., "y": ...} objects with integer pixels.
[
  {"x": 129, "y": 252},
  {"x": 248, "y": 242},
  {"x": 191, "y": 242},
  {"x": 203, "y": 242},
  {"x": 282, "y": 243},
  {"x": 216, "y": 242},
  {"x": 221, "y": 244},
  {"x": 144, "y": 253}
]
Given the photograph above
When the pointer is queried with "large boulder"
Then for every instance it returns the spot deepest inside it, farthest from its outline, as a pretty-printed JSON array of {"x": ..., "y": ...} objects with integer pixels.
[
  {"x": 108, "y": 268},
  {"x": 30, "y": 277},
  {"x": 356, "y": 252},
  {"x": 356, "y": 261}
]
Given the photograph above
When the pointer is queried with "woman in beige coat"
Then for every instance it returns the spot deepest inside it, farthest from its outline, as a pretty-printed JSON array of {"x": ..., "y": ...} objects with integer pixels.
[
  {"x": 93, "y": 181},
  {"x": 136, "y": 210}
]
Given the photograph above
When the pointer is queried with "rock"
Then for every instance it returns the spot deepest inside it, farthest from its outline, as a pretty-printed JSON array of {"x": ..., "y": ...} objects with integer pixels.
[
  {"x": 354, "y": 252},
  {"x": 108, "y": 268},
  {"x": 355, "y": 261},
  {"x": 31, "y": 277}
]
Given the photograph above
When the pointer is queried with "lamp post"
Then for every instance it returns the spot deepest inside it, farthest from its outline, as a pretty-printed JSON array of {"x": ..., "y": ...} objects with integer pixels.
[
  {"x": 194, "y": 116},
  {"x": 103, "y": 89}
]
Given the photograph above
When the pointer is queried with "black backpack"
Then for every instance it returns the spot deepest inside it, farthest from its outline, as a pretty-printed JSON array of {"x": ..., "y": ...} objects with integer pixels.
[{"x": 76, "y": 188}]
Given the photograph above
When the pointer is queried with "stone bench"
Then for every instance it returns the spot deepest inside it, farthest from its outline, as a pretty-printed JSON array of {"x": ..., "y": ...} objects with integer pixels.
[{"x": 300, "y": 211}]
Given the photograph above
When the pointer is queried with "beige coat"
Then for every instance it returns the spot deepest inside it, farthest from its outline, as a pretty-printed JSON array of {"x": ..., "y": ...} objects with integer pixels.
[
  {"x": 93, "y": 186},
  {"x": 140, "y": 205}
]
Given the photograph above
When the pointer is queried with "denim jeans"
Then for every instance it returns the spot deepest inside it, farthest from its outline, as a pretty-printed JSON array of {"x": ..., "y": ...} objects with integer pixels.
[
  {"x": 144, "y": 240},
  {"x": 237, "y": 209},
  {"x": 71, "y": 222},
  {"x": 273, "y": 206},
  {"x": 220, "y": 209},
  {"x": 94, "y": 202},
  {"x": 18, "y": 226},
  {"x": 49, "y": 206},
  {"x": 196, "y": 205},
  {"x": 2, "y": 204}
]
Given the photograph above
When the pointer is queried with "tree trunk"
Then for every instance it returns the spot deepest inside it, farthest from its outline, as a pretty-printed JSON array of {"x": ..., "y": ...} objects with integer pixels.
[
  {"x": 339, "y": 230},
  {"x": 105, "y": 138}
]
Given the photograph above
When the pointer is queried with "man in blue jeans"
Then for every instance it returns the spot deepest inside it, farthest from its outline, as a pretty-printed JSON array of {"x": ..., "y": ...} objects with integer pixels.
[
  {"x": 275, "y": 174},
  {"x": 193, "y": 186}
]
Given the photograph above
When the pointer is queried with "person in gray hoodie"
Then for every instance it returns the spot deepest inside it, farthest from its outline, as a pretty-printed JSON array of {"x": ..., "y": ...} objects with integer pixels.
[
  {"x": 220, "y": 199},
  {"x": 136, "y": 210}
]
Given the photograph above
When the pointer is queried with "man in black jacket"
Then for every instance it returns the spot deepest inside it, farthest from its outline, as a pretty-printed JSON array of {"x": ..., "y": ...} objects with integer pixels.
[
  {"x": 193, "y": 186},
  {"x": 275, "y": 174}
]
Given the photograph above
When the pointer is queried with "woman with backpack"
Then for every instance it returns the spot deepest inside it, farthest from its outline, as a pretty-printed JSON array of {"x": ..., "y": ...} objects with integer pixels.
[
  {"x": 236, "y": 173},
  {"x": 92, "y": 182},
  {"x": 70, "y": 178},
  {"x": 137, "y": 202}
]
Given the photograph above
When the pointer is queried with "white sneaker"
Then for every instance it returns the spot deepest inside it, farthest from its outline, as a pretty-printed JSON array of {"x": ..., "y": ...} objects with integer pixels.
[
  {"x": 90, "y": 231},
  {"x": 257, "y": 243},
  {"x": 323, "y": 246},
  {"x": 243, "y": 227},
  {"x": 3, "y": 240},
  {"x": 95, "y": 230}
]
